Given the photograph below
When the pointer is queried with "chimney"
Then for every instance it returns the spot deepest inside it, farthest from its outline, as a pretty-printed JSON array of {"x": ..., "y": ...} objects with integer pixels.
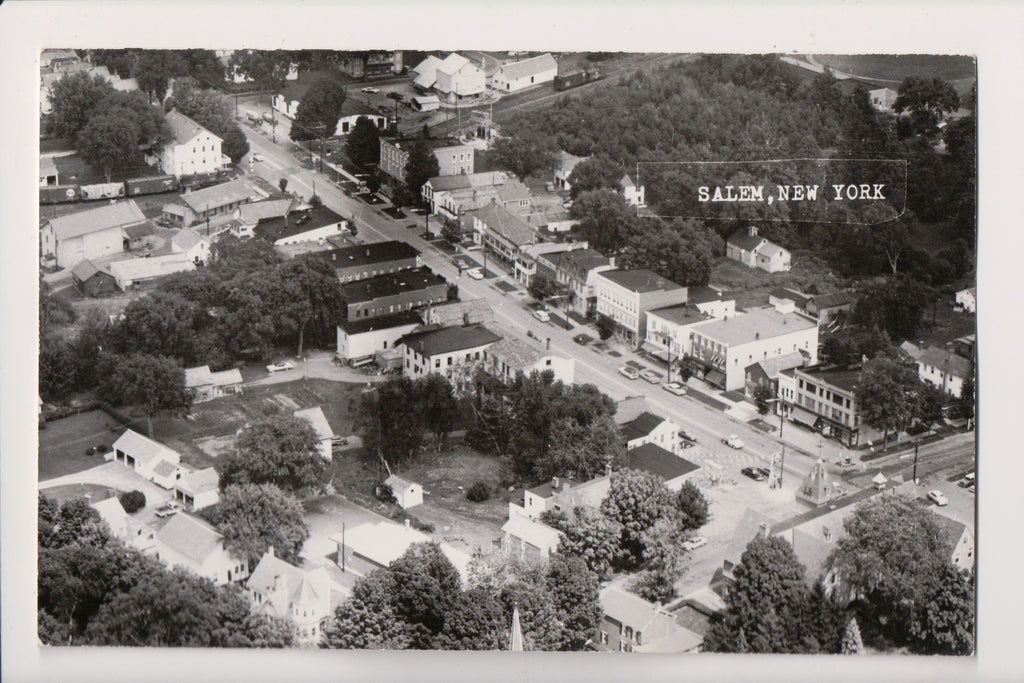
[
  {"x": 407, "y": 525},
  {"x": 762, "y": 530},
  {"x": 270, "y": 551},
  {"x": 547, "y": 344},
  {"x": 752, "y": 231},
  {"x": 554, "y": 482},
  {"x": 757, "y": 335},
  {"x": 565, "y": 486},
  {"x": 278, "y": 582}
]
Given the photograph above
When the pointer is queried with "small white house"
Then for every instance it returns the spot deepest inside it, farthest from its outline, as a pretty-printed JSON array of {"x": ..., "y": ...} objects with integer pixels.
[
  {"x": 210, "y": 385},
  {"x": 152, "y": 460},
  {"x": 883, "y": 99},
  {"x": 324, "y": 434},
  {"x": 198, "y": 489},
  {"x": 967, "y": 299},
  {"x": 407, "y": 493}
]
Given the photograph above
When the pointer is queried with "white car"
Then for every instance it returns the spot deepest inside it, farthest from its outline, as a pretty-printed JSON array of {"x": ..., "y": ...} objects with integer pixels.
[
  {"x": 278, "y": 367},
  {"x": 694, "y": 543},
  {"x": 475, "y": 273},
  {"x": 674, "y": 388},
  {"x": 651, "y": 376},
  {"x": 733, "y": 441},
  {"x": 937, "y": 498},
  {"x": 542, "y": 316},
  {"x": 257, "y": 157},
  {"x": 169, "y": 509},
  {"x": 630, "y": 372},
  {"x": 371, "y": 91}
]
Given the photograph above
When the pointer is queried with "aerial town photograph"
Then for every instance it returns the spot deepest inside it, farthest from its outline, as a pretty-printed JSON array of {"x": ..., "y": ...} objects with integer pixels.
[{"x": 625, "y": 352}]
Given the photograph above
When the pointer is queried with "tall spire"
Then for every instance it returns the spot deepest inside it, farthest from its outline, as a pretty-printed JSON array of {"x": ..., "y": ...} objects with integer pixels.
[{"x": 516, "y": 640}]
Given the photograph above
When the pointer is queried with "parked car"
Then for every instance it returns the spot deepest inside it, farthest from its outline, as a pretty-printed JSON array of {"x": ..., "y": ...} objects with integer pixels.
[
  {"x": 687, "y": 436},
  {"x": 476, "y": 274},
  {"x": 694, "y": 543},
  {"x": 651, "y": 376},
  {"x": 169, "y": 509},
  {"x": 371, "y": 91},
  {"x": 412, "y": 226},
  {"x": 257, "y": 157},
  {"x": 542, "y": 316},
  {"x": 967, "y": 481},
  {"x": 937, "y": 498},
  {"x": 583, "y": 339},
  {"x": 630, "y": 372},
  {"x": 674, "y": 388},
  {"x": 733, "y": 441},
  {"x": 755, "y": 473},
  {"x": 278, "y": 367}
]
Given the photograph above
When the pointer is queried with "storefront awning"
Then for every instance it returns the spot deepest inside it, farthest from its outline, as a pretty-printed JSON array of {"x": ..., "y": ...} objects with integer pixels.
[
  {"x": 716, "y": 377},
  {"x": 803, "y": 416},
  {"x": 655, "y": 350}
]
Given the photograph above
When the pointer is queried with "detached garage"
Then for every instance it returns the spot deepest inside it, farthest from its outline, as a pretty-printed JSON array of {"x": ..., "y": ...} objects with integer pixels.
[
  {"x": 90, "y": 281},
  {"x": 427, "y": 103}
]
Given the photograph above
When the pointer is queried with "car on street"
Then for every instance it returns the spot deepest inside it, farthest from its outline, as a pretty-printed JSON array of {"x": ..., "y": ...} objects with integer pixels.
[
  {"x": 257, "y": 157},
  {"x": 651, "y": 376},
  {"x": 694, "y": 543},
  {"x": 412, "y": 226},
  {"x": 733, "y": 441},
  {"x": 967, "y": 481},
  {"x": 630, "y": 372},
  {"x": 542, "y": 316},
  {"x": 278, "y": 367},
  {"x": 475, "y": 273},
  {"x": 371, "y": 91},
  {"x": 687, "y": 436},
  {"x": 583, "y": 339},
  {"x": 674, "y": 388},
  {"x": 169, "y": 509},
  {"x": 755, "y": 473},
  {"x": 937, "y": 498}
]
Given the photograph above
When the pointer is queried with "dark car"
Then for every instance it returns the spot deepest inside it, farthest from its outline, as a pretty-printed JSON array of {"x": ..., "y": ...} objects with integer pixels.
[
  {"x": 755, "y": 473},
  {"x": 687, "y": 436},
  {"x": 583, "y": 339}
]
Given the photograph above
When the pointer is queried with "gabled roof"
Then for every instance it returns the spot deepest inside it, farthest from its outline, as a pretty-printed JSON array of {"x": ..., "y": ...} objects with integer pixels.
[
  {"x": 529, "y": 67},
  {"x": 630, "y": 610},
  {"x": 315, "y": 416},
  {"x": 164, "y": 468},
  {"x": 144, "y": 449},
  {"x": 517, "y": 354},
  {"x": 952, "y": 529},
  {"x": 973, "y": 291},
  {"x": 639, "y": 280},
  {"x": 911, "y": 349},
  {"x": 384, "y": 542},
  {"x": 106, "y": 217},
  {"x": 190, "y": 536},
  {"x": 799, "y": 299},
  {"x": 297, "y": 586},
  {"x": 958, "y": 366},
  {"x": 500, "y": 221},
  {"x": 112, "y": 512},
  {"x": 198, "y": 376},
  {"x": 640, "y": 426},
  {"x": 84, "y": 270},
  {"x": 427, "y": 67},
  {"x": 452, "y": 63},
  {"x": 185, "y": 239},
  {"x": 184, "y": 129},
  {"x": 227, "y": 377},
  {"x": 200, "y": 481},
  {"x": 218, "y": 195},
  {"x": 773, "y": 366},
  {"x": 449, "y": 339},
  {"x": 768, "y": 246},
  {"x": 146, "y": 268},
  {"x": 567, "y": 162},
  {"x": 834, "y": 299},
  {"x": 537, "y": 534},
  {"x": 268, "y": 208},
  {"x": 655, "y": 460},
  {"x": 744, "y": 240}
]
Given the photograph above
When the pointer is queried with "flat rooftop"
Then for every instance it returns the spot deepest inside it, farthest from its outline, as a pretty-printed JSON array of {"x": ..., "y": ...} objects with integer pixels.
[
  {"x": 760, "y": 323},
  {"x": 390, "y": 284}
]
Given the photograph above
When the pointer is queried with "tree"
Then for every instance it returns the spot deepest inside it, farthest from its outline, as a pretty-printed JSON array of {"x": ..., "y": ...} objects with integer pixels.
[
  {"x": 604, "y": 219},
  {"x": 278, "y": 449},
  {"x": 692, "y": 507},
  {"x": 420, "y": 167},
  {"x": 436, "y": 398},
  {"x": 153, "y": 129},
  {"x": 590, "y": 536},
  {"x": 945, "y": 624},
  {"x": 526, "y": 153},
  {"x": 894, "y": 307},
  {"x": 109, "y": 142},
  {"x": 256, "y": 517},
  {"x": 888, "y": 395},
  {"x": 966, "y": 401},
  {"x": 74, "y": 98},
  {"x": 852, "y": 644},
  {"x": 541, "y": 287},
  {"x": 154, "y": 69},
  {"x": 636, "y": 500},
  {"x": 605, "y": 326},
  {"x": 72, "y": 521},
  {"x": 363, "y": 144},
  {"x": 574, "y": 591},
  {"x": 282, "y": 184},
  {"x": 928, "y": 101},
  {"x": 475, "y": 622},
  {"x": 234, "y": 143},
  {"x": 159, "y": 324},
  {"x": 596, "y": 173},
  {"x": 319, "y": 294},
  {"x": 211, "y": 110},
  {"x": 56, "y": 368},
  {"x": 451, "y": 231},
  {"x": 389, "y": 421},
  {"x": 132, "y": 501},
  {"x": 151, "y": 383},
  {"x": 580, "y": 450},
  {"x": 663, "y": 561},
  {"x": 367, "y": 621},
  {"x": 267, "y": 68},
  {"x": 423, "y": 588},
  {"x": 119, "y": 61},
  {"x": 319, "y": 110},
  {"x": 762, "y": 395}
]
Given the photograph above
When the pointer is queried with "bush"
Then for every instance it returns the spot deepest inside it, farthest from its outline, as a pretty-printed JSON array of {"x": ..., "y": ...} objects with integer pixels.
[
  {"x": 133, "y": 501},
  {"x": 385, "y": 494},
  {"x": 478, "y": 492}
]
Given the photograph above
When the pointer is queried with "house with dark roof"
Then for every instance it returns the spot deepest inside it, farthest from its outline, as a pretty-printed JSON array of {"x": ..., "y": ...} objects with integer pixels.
[
  {"x": 192, "y": 150},
  {"x": 91, "y": 281},
  {"x": 714, "y": 302},
  {"x": 559, "y": 494},
  {"x": 502, "y": 233},
  {"x": 190, "y": 542},
  {"x": 90, "y": 234},
  {"x": 452, "y": 196},
  {"x": 826, "y": 400},
  {"x": 578, "y": 271},
  {"x": 365, "y": 337},
  {"x": 625, "y": 296},
  {"x": 452, "y": 352},
  {"x": 393, "y": 293},
  {"x": 314, "y": 224},
  {"x": 363, "y": 261},
  {"x": 631, "y": 624},
  {"x": 649, "y": 457},
  {"x": 754, "y": 251},
  {"x": 826, "y": 307},
  {"x": 516, "y": 76},
  {"x": 650, "y": 428},
  {"x": 304, "y": 597},
  {"x": 212, "y": 205},
  {"x": 944, "y": 369}
]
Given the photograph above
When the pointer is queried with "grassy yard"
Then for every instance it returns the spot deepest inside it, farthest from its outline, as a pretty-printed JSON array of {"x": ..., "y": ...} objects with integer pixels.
[
  {"x": 61, "y": 494},
  {"x": 751, "y": 286},
  {"x": 62, "y": 443}
]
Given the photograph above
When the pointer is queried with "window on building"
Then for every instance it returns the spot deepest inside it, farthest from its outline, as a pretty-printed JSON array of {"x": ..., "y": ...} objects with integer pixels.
[{"x": 437, "y": 362}]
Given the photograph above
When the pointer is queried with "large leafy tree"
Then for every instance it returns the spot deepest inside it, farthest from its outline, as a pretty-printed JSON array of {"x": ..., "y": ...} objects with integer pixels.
[
  {"x": 319, "y": 110},
  {"x": 476, "y": 621},
  {"x": 596, "y": 173},
  {"x": 420, "y": 167},
  {"x": 256, "y": 517},
  {"x": 440, "y": 407},
  {"x": 280, "y": 450},
  {"x": 692, "y": 507},
  {"x": 423, "y": 588},
  {"x": 366, "y": 621},
  {"x": 56, "y": 368},
  {"x": 582, "y": 450},
  {"x": 681, "y": 252},
  {"x": 154, "y": 69},
  {"x": 604, "y": 219},
  {"x": 927, "y": 101},
  {"x": 589, "y": 535},
  {"x": 149, "y": 119},
  {"x": 888, "y": 395},
  {"x": 894, "y": 306},
  {"x": 110, "y": 142},
  {"x": 636, "y": 500},
  {"x": 74, "y": 98},
  {"x": 319, "y": 291},
  {"x": 389, "y": 421},
  {"x": 363, "y": 144},
  {"x": 574, "y": 591},
  {"x": 268, "y": 68},
  {"x": 150, "y": 383},
  {"x": 527, "y": 154},
  {"x": 945, "y": 624},
  {"x": 159, "y": 324}
]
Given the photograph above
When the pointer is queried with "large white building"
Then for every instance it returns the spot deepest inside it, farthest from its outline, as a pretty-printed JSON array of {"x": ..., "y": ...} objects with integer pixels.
[
  {"x": 510, "y": 356},
  {"x": 517, "y": 76},
  {"x": 189, "y": 542},
  {"x": 625, "y": 296},
  {"x": 458, "y": 79},
  {"x": 365, "y": 337},
  {"x": 451, "y": 352},
  {"x": 193, "y": 150},
  {"x": 280, "y": 590},
  {"x": 87, "y": 235}
]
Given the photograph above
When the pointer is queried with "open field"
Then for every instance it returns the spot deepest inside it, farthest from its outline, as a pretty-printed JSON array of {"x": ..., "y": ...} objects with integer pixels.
[
  {"x": 62, "y": 443},
  {"x": 897, "y": 67}
]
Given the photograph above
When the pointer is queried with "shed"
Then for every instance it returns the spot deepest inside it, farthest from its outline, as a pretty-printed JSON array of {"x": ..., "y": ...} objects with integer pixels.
[
  {"x": 427, "y": 103},
  {"x": 407, "y": 493},
  {"x": 91, "y": 281}
]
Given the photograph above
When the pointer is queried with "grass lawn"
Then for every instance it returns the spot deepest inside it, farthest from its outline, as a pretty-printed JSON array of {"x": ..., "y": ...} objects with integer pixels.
[
  {"x": 61, "y": 494},
  {"x": 898, "y": 67},
  {"x": 62, "y": 443}
]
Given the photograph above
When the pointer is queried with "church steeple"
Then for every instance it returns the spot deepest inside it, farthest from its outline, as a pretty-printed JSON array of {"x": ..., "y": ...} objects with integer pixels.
[{"x": 516, "y": 639}]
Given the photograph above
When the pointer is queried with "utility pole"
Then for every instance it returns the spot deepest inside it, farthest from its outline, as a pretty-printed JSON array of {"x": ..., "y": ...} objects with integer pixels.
[
  {"x": 782, "y": 465},
  {"x": 915, "y": 462}
]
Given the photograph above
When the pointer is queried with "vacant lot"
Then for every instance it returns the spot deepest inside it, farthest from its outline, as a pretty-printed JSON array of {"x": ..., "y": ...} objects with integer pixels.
[
  {"x": 62, "y": 443},
  {"x": 751, "y": 286},
  {"x": 897, "y": 67}
]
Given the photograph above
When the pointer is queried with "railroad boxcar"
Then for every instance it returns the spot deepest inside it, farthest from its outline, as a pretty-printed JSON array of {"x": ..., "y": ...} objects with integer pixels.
[
  {"x": 102, "y": 191},
  {"x": 58, "y": 194},
  {"x": 152, "y": 185}
]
